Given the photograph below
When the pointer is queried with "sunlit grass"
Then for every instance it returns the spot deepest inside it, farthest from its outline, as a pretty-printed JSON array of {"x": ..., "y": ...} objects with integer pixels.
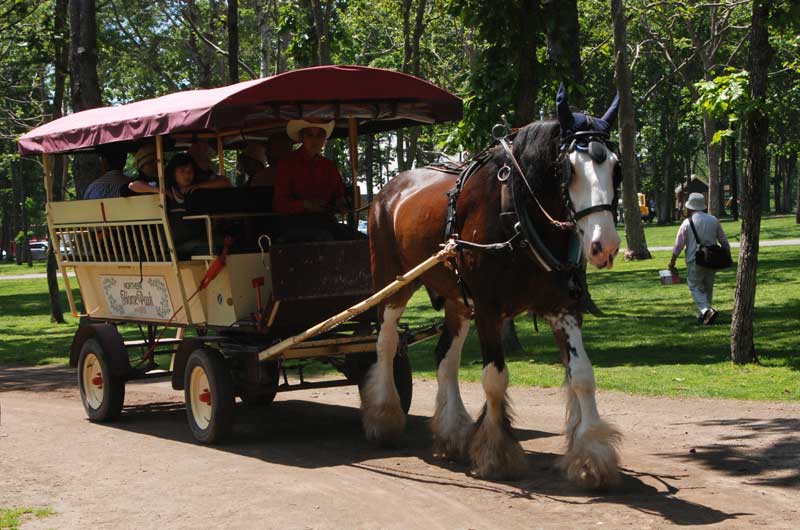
[{"x": 11, "y": 518}]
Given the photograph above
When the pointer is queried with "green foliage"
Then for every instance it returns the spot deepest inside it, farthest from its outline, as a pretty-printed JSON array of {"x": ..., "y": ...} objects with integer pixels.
[
  {"x": 726, "y": 96},
  {"x": 11, "y": 518}
]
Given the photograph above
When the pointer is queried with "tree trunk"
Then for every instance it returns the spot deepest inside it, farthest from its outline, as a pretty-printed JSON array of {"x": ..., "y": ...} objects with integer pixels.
[
  {"x": 233, "y": 41},
  {"x": 509, "y": 339},
  {"x": 777, "y": 183},
  {"x": 713, "y": 156},
  {"x": 734, "y": 182},
  {"x": 563, "y": 44},
  {"x": 85, "y": 87},
  {"x": 321, "y": 11},
  {"x": 634, "y": 232},
  {"x": 57, "y": 178},
  {"x": 742, "y": 345},
  {"x": 262, "y": 8},
  {"x": 527, "y": 65},
  {"x": 787, "y": 195}
]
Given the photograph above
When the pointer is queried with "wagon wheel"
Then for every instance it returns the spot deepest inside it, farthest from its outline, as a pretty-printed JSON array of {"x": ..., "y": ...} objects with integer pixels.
[
  {"x": 357, "y": 365},
  {"x": 102, "y": 394},
  {"x": 208, "y": 391},
  {"x": 271, "y": 373}
]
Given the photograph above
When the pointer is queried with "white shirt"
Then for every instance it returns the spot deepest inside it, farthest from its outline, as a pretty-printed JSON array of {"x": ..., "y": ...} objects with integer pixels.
[{"x": 709, "y": 230}]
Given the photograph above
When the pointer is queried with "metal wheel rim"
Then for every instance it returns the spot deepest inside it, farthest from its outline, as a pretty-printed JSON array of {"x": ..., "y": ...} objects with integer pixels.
[
  {"x": 198, "y": 386},
  {"x": 93, "y": 381}
]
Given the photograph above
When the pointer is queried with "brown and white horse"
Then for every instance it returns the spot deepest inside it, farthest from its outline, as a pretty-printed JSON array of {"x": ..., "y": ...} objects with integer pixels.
[{"x": 560, "y": 170}]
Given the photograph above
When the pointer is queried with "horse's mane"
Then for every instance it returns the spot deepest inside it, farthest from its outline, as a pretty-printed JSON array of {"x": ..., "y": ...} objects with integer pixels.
[{"x": 536, "y": 146}]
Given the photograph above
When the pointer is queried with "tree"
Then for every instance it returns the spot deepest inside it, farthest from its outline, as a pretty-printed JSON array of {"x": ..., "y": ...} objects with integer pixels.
[
  {"x": 634, "y": 232},
  {"x": 233, "y": 41},
  {"x": 84, "y": 84},
  {"x": 742, "y": 345}
]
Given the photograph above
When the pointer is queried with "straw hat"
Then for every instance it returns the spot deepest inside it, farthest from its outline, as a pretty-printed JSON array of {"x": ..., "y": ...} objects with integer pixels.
[
  {"x": 145, "y": 154},
  {"x": 696, "y": 202},
  {"x": 256, "y": 151},
  {"x": 294, "y": 127}
]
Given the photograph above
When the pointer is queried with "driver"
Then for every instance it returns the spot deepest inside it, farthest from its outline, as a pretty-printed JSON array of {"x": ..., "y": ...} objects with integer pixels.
[{"x": 306, "y": 182}]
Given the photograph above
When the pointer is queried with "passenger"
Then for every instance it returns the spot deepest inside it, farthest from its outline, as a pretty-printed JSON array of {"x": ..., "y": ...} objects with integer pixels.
[
  {"x": 252, "y": 162},
  {"x": 201, "y": 154},
  {"x": 147, "y": 180},
  {"x": 306, "y": 182},
  {"x": 278, "y": 146},
  {"x": 113, "y": 181}
]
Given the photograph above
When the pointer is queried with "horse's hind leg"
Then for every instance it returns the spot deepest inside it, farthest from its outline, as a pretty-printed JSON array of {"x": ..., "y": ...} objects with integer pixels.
[
  {"x": 451, "y": 424},
  {"x": 381, "y": 412},
  {"x": 494, "y": 451},
  {"x": 591, "y": 458}
]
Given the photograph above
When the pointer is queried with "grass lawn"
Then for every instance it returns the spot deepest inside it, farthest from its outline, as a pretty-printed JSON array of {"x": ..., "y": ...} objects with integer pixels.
[
  {"x": 647, "y": 342},
  {"x": 12, "y": 269},
  {"x": 776, "y": 227}
]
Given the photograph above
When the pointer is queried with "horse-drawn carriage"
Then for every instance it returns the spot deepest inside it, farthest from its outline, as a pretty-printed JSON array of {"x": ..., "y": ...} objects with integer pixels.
[
  {"x": 518, "y": 224},
  {"x": 235, "y": 288}
]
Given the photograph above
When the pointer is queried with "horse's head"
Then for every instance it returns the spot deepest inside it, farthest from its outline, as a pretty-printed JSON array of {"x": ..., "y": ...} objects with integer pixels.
[{"x": 592, "y": 175}]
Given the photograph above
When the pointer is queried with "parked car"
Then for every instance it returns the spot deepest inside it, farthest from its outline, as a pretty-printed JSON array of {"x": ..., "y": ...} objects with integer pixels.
[{"x": 38, "y": 250}]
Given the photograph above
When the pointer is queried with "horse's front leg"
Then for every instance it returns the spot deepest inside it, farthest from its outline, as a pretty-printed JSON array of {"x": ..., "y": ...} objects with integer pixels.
[
  {"x": 451, "y": 424},
  {"x": 494, "y": 451},
  {"x": 381, "y": 412},
  {"x": 591, "y": 458}
]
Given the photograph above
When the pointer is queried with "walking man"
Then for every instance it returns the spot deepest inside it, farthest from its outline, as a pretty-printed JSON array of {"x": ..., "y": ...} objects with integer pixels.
[{"x": 699, "y": 224}]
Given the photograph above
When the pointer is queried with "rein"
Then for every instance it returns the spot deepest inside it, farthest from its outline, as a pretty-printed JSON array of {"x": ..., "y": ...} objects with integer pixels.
[{"x": 524, "y": 233}]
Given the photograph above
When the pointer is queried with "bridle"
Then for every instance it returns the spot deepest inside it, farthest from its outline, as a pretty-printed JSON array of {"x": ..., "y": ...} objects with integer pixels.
[{"x": 597, "y": 145}]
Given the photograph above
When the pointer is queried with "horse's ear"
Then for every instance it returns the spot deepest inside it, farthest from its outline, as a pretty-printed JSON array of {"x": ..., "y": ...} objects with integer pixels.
[
  {"x": 565, "y": 117},
  {"x": 611, "y": 114}
]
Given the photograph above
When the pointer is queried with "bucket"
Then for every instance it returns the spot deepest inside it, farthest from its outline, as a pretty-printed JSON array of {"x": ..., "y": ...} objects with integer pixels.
[{"x": 668, "y": 277}]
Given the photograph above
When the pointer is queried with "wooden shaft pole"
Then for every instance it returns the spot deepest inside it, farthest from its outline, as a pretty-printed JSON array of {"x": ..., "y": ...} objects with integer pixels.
[
  {"x": 220, "y": 156},
  {"x": 352, "y": 127},
  {"x": 401, "y": 281}
]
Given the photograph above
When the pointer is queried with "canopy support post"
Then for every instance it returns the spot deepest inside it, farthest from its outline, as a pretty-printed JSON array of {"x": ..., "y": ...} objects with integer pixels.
[
  {"x": 167, "y": 228},
  {"x": 220, "y": 156},
  {"x": 352, "y": 127},
  {"x": 48, "y": 190}
]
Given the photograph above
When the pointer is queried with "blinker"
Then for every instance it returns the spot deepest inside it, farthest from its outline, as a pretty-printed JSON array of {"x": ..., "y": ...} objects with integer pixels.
[{"x": 598, "y": 152}]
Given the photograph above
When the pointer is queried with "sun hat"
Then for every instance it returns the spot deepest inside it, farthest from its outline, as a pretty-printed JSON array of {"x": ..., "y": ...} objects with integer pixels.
[
  {"x": 696, "y": 202},
  {"x": 294, "y": 127},
  {"x": 256, "y": 151},
  {"x": 145, "y": 154}
]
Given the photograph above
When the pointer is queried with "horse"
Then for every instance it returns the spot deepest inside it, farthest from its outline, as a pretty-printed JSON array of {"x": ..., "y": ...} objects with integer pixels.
[{"x": 525, "y": 215}]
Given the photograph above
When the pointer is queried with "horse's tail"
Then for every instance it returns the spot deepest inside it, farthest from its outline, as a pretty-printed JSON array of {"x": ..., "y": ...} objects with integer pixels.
[{"x": 437, "y": 300}]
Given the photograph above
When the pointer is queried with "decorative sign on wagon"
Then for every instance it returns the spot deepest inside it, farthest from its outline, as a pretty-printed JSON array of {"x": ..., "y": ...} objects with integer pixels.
[{"x": 138, "y": 297}]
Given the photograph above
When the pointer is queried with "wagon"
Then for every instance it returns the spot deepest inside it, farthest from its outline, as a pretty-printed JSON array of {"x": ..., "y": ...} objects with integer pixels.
[{"x": 233, "y": 314}]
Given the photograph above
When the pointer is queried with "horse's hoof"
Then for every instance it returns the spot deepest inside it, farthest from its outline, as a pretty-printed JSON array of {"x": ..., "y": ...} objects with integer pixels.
[
  {"x": 496, "y": 455},
  {"x": 383, "y": 424},
  {"x": 592, "y": 460},
  {"x": 451, "y": 438}
]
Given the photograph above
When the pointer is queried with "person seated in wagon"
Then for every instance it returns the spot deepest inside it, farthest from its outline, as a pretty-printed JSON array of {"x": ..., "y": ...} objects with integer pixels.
[{"x": 308, "y": 183}]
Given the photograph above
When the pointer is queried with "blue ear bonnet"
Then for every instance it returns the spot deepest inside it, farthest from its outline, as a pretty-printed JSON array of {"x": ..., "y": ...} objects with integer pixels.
[{"x": 574, "y": 122}]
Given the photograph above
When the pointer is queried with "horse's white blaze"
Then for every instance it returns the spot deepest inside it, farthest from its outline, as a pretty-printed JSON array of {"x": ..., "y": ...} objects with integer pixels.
[
  {"x": 382, "y": 414},
  {"x": 593, "y": 184},
  {"x": 451, "y": 422}
]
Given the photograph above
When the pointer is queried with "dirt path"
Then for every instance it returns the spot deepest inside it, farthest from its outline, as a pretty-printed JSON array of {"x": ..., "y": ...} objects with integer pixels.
[{"x": 303, "y": 464}]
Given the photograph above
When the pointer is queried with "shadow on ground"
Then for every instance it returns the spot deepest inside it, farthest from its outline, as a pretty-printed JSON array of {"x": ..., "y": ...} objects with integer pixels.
[
  {"x": 777, "y": 464},
  {"x": 316, "y": 435},
  {"x": 37, "y": 378}
]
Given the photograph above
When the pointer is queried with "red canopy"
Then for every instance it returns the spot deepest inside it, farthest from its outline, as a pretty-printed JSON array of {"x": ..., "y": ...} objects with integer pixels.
[{"x": 380, "y": 99}]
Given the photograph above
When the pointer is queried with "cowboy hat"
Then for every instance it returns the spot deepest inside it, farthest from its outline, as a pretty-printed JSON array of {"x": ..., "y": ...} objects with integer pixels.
[
  {"x": 294, "y": 127},
  {"x": 696, "y": 202}
]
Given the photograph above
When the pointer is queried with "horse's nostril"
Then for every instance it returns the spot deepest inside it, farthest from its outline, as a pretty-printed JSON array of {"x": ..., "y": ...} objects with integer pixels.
[{"x": 597, "y": 248}]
